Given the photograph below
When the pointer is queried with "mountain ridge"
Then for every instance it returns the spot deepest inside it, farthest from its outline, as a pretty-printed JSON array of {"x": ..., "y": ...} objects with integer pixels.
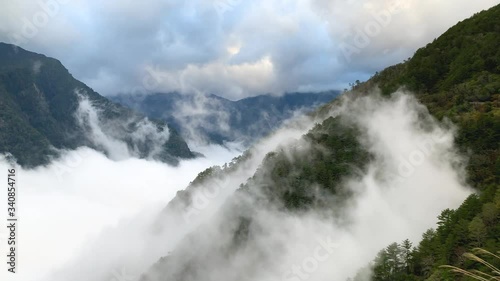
[
  {"x": 215, "y": 119},
  {"x": 38, "y": 102},
  {"x": 457, "y": 76},
  {"x": 471, "y": 102}
]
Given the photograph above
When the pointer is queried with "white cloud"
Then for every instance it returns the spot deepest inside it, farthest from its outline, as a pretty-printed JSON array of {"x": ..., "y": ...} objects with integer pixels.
[
  {"x": 388, "y": 206},
  {"x": 87, "y": 209},
  {"x": 66, "y": 205},
  {"x": 106, "y": 213},
  {"x": 88, "y": 118},
  {"x": 283, "y": 45},
  {"x": 147, "y": 138},
  {"x": 236, "y": 80}
]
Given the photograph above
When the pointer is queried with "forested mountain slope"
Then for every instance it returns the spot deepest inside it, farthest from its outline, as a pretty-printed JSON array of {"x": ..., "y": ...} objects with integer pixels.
[
  {"x": 457, "y": 76},
  {"x": 39, "y": 100}
]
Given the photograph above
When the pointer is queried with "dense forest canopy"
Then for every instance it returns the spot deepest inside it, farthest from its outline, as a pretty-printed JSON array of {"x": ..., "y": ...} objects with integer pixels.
[{"x": 457, "y": 77}]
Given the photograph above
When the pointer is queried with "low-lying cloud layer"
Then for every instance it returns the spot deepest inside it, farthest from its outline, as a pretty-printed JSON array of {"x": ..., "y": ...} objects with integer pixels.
[
  {"x": 235, "y": 48},
  {"x": 90, "y": 217},
  {"x": 66, "y": 205},
  {"x": 130, "y": 248},
  {"x": 110, "y": 228},
  {"x": 415, "y": 175}
]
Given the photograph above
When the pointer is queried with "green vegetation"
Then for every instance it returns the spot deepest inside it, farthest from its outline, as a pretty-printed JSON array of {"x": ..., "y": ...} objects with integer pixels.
[
  {"x": 457, "y": 77},
  {"x": 306, "y": 175},
  {"x": 247, "y": 120},
  {"x": 309, "y": 173},
  {"x": 476, "y": 223},
  {"x": 37, "y": 107},
  {"x": 489, "y": 273}
]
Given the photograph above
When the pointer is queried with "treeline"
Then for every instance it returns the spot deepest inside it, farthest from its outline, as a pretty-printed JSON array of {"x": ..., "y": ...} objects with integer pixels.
[
  {"x": 457, "y": 77},
  {"x": 309, "y": 174},
  {"x": 476, "y": 223}
]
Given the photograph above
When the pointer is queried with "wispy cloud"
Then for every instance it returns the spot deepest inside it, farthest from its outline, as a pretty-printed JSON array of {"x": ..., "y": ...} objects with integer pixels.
[
  {"x": 387, "y": 205},
  {"x": 67, "y": 205}
]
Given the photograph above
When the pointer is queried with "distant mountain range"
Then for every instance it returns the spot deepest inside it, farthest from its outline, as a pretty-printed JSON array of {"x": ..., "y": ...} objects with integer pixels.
[
  {"x": 44, "y": 110},
  {"x": 214, "y": 119}
]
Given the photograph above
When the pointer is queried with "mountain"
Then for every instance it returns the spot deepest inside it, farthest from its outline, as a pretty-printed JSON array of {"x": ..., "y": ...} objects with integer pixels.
[
  {"x": 218, "y": 120},
  {"x": 457, "y": 78},
  {"x": 283, "y": 181},
  {"x": 39, "y": 104}
]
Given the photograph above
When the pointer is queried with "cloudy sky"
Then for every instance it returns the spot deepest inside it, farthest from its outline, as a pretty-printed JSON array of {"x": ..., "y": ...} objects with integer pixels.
[{"x": 233, "y": 48}]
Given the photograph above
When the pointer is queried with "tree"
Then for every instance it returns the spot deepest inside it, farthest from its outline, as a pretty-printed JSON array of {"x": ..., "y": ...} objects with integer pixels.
[
  {"x": 490, "y": 272},
  {"x": 393, "y": 259},
  {"x": 381, "y": 270},
  {"x": 477, "y": 230},
  {"x": 406, "y": 256},
  {"x": 489, "y": 213}
]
